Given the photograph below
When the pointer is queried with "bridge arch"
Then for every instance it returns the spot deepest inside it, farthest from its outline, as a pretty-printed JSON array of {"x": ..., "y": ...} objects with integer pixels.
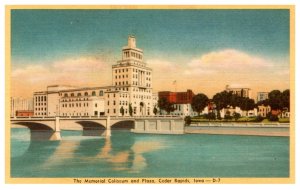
[
  {"x": 91, "y": 125},
  {"x": 124, "y": 124},
  {"x": 34, "y": 126}
]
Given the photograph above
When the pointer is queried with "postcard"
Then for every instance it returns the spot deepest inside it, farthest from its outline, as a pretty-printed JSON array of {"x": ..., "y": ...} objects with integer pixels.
[{"x": 150, "y": 94}]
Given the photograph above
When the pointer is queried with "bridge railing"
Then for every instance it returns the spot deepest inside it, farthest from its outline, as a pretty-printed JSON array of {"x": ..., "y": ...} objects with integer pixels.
[{"x": 91, "y": 117}]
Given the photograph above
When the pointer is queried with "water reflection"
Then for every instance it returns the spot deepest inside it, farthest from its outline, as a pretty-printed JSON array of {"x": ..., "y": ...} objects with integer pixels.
[{"x": 120, "y": 152}]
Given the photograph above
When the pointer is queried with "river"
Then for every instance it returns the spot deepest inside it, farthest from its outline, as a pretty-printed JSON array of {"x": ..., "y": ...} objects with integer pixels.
[{"x": 126, "y": 154}]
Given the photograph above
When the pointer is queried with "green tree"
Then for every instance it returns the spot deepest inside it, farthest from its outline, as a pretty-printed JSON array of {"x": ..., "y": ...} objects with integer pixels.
[
  {"x": 155, "y": 110},
  {"x": 275, "y": 98},
  {"x": 199, "y": 102},
  {"x": 247, "y": 104},
  {"x": 164, "y": 104},
  {"x": 211, "y": 116},
  {"x": 122, "y": 111},
  {"x": 188, "y": 120},
  {"x": 236, "y": 116},
  {"x": 130, "y": 110},
  {"x": 285, "y": 99}
]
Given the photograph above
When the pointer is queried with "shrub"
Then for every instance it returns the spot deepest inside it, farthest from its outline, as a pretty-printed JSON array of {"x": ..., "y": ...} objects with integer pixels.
[
  {"x": 188, "y": 120},
  {"x": 259, "y": 118},
  {"x": 273, "y": 117}
]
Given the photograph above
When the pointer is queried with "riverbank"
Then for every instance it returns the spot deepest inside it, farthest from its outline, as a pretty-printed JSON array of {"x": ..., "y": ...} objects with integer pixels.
[{"x": 257, "y": 129}]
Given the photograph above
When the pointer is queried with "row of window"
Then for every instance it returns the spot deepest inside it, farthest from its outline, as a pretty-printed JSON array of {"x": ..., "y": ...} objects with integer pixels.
[
  {"x": 132, "y": 54},
  {"x": 40, "y": 98},
  {"x": 74, "y": 99},
  {"x": 42, "y": 113},
  {"x": 85, "y": 94},
  {"x": 75, "y": 114},
  {"x": 126, "y": 70},
  {"x": 40, "y": 104},
  {"x": 40, "y": 109},
  {"x": 141, "y": 96},
  {"x": 121, "y": 83},
  {"x": 76, "y": 105}
]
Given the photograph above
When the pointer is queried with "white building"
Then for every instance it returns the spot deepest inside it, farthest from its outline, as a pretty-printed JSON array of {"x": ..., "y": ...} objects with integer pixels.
[
  {"x": 243, "y": 113},
  {"x": 17, "y": 104},
  {"x": 132, "y": 86},
  {"x": 262, "y": 96},
  {"x": 264, "y": 110},
  {"x": 184, "y": 110}
]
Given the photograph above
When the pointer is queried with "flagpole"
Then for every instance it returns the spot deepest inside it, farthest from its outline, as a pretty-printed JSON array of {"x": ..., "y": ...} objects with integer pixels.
[{"x": 175, "y": 85}]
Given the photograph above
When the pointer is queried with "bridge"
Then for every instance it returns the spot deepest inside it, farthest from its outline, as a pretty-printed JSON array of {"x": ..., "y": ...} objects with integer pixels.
[{"x": 49, "y": 127}]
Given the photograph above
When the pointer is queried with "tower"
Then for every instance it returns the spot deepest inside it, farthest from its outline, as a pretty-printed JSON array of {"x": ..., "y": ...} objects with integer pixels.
[{"x": 132, "y": 75}]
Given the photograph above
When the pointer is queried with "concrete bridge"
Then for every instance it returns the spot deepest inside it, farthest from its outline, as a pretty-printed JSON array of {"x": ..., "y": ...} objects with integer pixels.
[{"x": 49, "y": 127}]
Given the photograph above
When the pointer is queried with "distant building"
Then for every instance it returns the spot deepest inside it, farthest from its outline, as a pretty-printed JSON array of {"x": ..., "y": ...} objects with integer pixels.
[
  {"x": 20, "y": 104},
  {"x": 24, "y": 113},
  {"x": 262, "y": 96},
  {"x": 181, "y": 100},
  {"x": 177, "y": 97},
  {"x": 132, "y": 86},
  {"x": 242, "y": 92},
  {"x": 263, "y": 110}
]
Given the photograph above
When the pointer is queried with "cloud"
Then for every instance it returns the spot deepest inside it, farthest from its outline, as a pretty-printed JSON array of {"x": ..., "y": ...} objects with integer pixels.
[
  {"x": 162, "y": 66},
  {"x": 229, "y": 60},
  {"x": 82, "y": 71}
]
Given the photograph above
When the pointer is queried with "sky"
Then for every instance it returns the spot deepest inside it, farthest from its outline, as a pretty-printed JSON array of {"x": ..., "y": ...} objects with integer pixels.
[{"x": 202, "y": 50}]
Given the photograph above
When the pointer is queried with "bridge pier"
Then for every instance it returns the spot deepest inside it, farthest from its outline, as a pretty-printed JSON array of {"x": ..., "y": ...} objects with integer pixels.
[{"x": 108, "y": 127}]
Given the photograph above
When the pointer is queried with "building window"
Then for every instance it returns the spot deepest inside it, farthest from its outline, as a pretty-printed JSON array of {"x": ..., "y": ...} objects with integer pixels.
[
  {"x": 96, "y": 105},
  {"x": 86, "y": 93},
  {"x": 114, "y": 110},
  {"x": 108, "y": 103},
  {"x": 114, "y": 95},
  {"x": 107, "y": 110},
  {"x": 101, "y": 93},
  {"x": 72, "y": 94},
  {"x": 114, "y": 102},
  {"x": 93, "y": 93},
  {"x": 79, "y": 94}
]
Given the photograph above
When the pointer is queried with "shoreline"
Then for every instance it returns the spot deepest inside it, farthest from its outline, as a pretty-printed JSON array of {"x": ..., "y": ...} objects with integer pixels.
[{"x": 275, "y": 130}]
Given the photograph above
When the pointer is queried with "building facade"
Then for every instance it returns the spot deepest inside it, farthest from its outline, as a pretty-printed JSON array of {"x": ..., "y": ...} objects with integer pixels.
[
  {"x": 263, "y": 110},
  {"x": 242, "y": 92},
  {"x": 181, "y": 100},
  {"x": 261, "y": 96},
  {"x": 131, "y": 90},
  {"x": 18, "y": 104}
]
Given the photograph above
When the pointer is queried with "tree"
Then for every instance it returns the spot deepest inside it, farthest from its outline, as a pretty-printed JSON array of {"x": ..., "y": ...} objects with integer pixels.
[
  {"x": 130, "y": 110},
  {"x": 285, "y": 99},
  {"x": 247, "y": 104},
  {"x": 155, "y": 110},
  {"x": 211, "y": 116},
  {"x": 164, "y": 104},
  {"x": 122, "y": 111},
  {"x": 199, "y": 102},
  {"x": 236, "y": 116},
  {"x": 275, "y": 100},
  {"x": 188, "y": 120}
]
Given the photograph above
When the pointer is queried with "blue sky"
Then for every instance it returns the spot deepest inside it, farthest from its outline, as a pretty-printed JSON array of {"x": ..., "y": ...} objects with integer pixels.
[
  {"x": 170, "y": 37},
  {"x": 51, "y": 34}
]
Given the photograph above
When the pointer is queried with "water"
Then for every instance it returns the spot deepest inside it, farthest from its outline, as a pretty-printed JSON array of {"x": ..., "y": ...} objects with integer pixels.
[{"x": 126, "y": 154}]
